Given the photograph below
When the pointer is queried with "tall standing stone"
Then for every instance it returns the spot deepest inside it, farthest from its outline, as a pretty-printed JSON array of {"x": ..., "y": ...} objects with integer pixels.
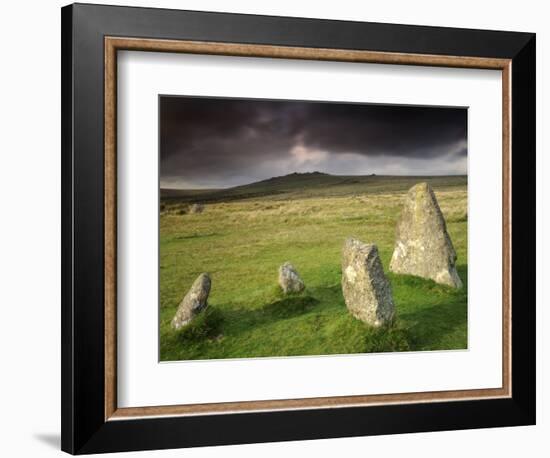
[
  {"x": 194, "y": 302},
  {"x": 423, "y": 246},
  {"x": 367, "y": 291}
]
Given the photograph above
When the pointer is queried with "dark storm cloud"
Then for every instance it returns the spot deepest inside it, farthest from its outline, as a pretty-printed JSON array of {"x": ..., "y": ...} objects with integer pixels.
[{"x": 221, "y": 142}]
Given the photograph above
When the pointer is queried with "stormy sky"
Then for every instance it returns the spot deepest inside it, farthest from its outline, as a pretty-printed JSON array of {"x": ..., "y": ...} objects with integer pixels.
[{"x": 218, "y": 142}]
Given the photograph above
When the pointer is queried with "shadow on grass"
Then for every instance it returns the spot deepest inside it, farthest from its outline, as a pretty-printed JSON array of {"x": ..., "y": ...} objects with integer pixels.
[
  {"x": 328, "y": 319},
  {"x": 197, "y": 236},
  {"x": 206, "y": 325},
  {"x": 279, "y": 307},
  {"x": 289, "y": 306},
  {"x": 463, "y": 274},
  {"x": 390, "y": 338},
  {"x": 428, "y": 327},
  {"x": 429, "y": 317},
  {"x": 440, "y": 322}
]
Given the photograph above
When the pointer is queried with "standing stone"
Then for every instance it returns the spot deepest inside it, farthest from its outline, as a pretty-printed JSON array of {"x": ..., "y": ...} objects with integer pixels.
[
  {"x": 194, "y": 301},
  {"x": 196, "y": 208},
  {"x": 423, "y": 246},
  {"x": 289, "y": 280},
  {"x": 367, "y": 291}
]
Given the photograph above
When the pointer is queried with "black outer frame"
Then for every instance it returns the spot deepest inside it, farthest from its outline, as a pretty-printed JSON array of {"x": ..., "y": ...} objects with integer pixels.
[{"x": 84, "y": 429}]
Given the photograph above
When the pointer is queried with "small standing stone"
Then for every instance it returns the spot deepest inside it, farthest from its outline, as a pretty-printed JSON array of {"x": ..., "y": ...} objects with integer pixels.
[
  {"x": 423, "y": 246},
  {"x": 196, "y": 208},
  {"x": 367, "y": 291},
  {"x": 289, "y": 280},
  {"x": 194, "y": 302}
]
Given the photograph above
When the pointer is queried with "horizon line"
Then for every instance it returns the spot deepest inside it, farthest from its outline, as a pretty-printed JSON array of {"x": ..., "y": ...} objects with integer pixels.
[{"x": 311, "y": 173}]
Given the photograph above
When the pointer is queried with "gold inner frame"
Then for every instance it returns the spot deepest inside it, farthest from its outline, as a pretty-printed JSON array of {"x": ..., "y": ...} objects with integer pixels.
[{"x": 114, "y": 44}]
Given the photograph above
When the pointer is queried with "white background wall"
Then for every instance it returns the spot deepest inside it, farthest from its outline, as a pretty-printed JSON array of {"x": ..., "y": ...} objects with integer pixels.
[{"x": 30, "y": 226}]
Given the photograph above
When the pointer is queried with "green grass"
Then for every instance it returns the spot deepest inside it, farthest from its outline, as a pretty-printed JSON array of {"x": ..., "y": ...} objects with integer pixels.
[{"x": 242, "y": 242}]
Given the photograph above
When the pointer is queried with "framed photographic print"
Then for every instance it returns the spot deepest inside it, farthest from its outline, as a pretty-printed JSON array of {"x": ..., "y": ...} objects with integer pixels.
[{"x": 282, "y": 228}]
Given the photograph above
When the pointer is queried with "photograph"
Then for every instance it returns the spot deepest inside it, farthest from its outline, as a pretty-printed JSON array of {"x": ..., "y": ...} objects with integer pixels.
[
  {"x": 301, "y": 228},
  {"x": 276, "y": 226}
]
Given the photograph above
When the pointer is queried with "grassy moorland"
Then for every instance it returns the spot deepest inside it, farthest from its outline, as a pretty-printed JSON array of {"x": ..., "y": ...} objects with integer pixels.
[{"x": 245, "y": 233}]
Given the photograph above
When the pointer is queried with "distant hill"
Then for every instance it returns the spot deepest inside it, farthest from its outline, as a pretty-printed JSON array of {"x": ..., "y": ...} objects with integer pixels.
[
  {"x": 169, "y": 193},
  {"x": 312, "y": 184},
  {"x": 288, "y": 182}
]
